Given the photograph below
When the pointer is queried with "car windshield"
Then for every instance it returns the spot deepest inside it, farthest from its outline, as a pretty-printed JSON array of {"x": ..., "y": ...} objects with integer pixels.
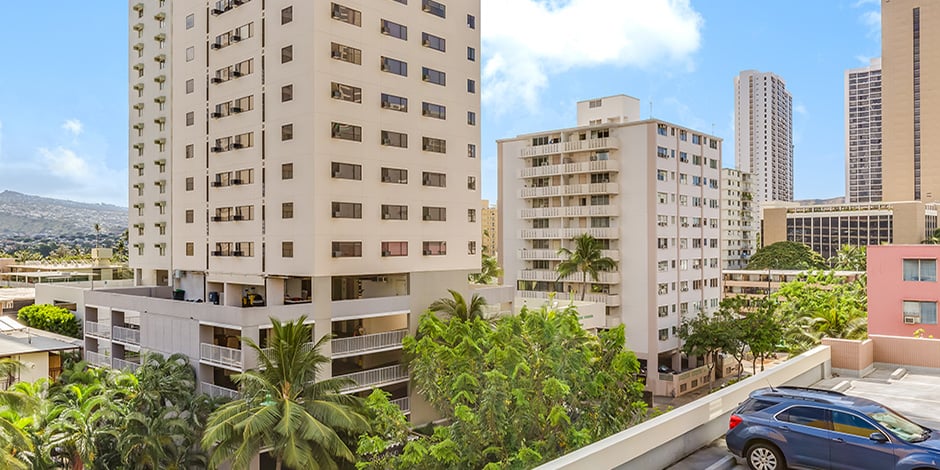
[{"x": 899, "y": 425}]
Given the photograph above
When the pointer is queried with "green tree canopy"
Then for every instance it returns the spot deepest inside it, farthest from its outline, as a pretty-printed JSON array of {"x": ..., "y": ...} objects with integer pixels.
[
  {"x": 786, "y": 255},
  {"x": 586, "y": 258},
  {"x": 850, "y": 258},
  {"x": 822, "y": 305},
  {"x": 457, "y": 306},
  {"x": 489, "y": 271},
  {"x": 50, "y": 318}
]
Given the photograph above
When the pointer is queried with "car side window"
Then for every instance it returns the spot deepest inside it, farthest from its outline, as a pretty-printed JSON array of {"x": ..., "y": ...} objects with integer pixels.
[
  {"x": 753, "y": 405},
  {"x": 851, "y": 424},
  {"x": 805, "y": 415}
]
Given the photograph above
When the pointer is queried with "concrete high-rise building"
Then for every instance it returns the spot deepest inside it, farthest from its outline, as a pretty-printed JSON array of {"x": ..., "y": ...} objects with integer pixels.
[
  {"x": 910, "y": 37},
  {"x": 863, "y": 136},
  {"x": 647, "y": 190},
  {"x": 294, "y": 158},
  {"x": 738, "y": 229},
  {"x": 490, "y": 223},
  {"x": 763, "y": 134}
]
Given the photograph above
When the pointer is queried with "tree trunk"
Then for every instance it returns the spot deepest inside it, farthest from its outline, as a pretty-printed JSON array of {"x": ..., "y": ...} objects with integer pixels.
[
  {"x": 277, "y": 464},
  {"x": 583, "y": 284},
  {"x": 77, "y": 462}
]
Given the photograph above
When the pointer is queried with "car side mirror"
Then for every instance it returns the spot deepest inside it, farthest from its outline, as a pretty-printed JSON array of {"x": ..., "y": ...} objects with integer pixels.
[{"x": 878, "y": 437}]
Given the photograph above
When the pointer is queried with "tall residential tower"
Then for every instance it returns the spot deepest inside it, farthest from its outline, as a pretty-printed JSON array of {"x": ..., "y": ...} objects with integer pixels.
[
  {"x": 763, "y": 134},
  {"x": 863, "y": 136}
]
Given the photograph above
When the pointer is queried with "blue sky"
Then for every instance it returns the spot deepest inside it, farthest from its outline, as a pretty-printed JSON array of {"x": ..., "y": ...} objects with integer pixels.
[{"x": 63, "y": 85}]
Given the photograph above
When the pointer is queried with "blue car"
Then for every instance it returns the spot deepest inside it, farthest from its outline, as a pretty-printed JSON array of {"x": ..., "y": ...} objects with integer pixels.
[{"x": 804, "y": 428}]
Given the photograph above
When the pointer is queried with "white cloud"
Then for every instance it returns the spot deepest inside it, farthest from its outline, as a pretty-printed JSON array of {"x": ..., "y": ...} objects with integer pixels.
[
  {"x": 527, "y": 41},
  {"x": 74, "y": 126},
  {"x": 65, "y": 163},
  {"x": 800, "y": 109},
  {"x": 861, "y": 3}
]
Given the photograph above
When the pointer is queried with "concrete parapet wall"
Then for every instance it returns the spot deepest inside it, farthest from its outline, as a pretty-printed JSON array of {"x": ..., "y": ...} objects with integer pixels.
[
  {"x": 851, "y": 357},
  {"x": 906, "y": 351}
]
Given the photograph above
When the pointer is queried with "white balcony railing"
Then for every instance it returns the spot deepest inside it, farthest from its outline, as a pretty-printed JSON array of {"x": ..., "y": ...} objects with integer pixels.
[
  {"x": 220, "y": 355},
  {"x": 552, "y": 255},
  {"x": 403, "y": 403},
  {"x": 568, "y": 233},
  {"x": 125, "y": 365},
  {"x": 567, "y": 168},
  {"x": 611, "y": 300},
  {"x": 569, "y": 211},
  {"x": 98, "y": 359},
  {"x": 372, "y": 378},
  {"x": 96, "y": 329},
  {"x": 570, "y": 190},
  {"x": 367, "y": 343},
  {"x": 126, "y": 335},
  {"x": 551, "y": 276},
  {"x": 571, "y": 146},
  {"x": 216, "y": 391}
]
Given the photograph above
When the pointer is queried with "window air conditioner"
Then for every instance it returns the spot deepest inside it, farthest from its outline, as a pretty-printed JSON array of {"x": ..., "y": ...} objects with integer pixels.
[
  {"x": 215, "y": 115},
  {"x": 236, "y": 109},
  {"x": 381, "y": 279},
  {"x": 236, "y": 38},
  {"x": 216, "y": 11},
  {"x": 238, "y": 217},
  {"x": 337, "y": 254},
  {"x": 236, "y": 73},
  {"x": 427, "y": 252},
  {"x": 237, "y": 145},
  {"x": 216, "y": 149},
  {"x": 386, "y": 253},
  {"x": 216, "y": 45},
  {"x": 216, "y": 218},
  {"x": 237, "y": 181},
  {"x": 216, "y": 80},
  {"x": 911, "y": 319}
]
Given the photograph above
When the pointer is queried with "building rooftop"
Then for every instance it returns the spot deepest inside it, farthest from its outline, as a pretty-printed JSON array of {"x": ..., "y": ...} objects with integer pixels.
[{"x": 31, "y": 341}]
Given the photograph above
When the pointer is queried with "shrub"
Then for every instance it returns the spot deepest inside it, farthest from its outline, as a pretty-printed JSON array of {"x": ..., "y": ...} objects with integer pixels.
[{"x": 50, "y": 318}]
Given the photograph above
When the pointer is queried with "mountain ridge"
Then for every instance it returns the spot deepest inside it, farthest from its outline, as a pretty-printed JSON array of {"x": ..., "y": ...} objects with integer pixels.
[{"x": 29, "y": 215}]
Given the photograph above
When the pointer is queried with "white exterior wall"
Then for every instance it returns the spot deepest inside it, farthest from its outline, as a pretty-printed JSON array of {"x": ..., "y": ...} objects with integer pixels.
[
  {"x": 738, "y": 219},
  {"x": 863, "y": 136}
]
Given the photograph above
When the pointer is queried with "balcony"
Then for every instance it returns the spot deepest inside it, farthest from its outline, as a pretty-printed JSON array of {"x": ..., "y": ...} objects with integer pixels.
[
  {"x": 98, "y": 330},
  {"x": 403, "y": 403},
  {"x": 128, "y": 366},
  {"x": 216, "y": 391},
  {"x": 567, "y": 233},
  {"x": 552, "y": 255},
  {"x": 568, "y": 169},
  {"x": 374, "y": 306},
  {"x": 568, "y": 147},
  {"x": 569, "y": 211},
  {"x": 372, "y": 378},
  {"x": 570, "y": 190},
  {"x": 355, "y": 345},
  {"x": 98, "y": 359},
  {"x": 611, "y": 300},
  {"x": 220, "y": 356},
  {"x": 126, "y": 335},
  {"x": 551, "y": 276}
]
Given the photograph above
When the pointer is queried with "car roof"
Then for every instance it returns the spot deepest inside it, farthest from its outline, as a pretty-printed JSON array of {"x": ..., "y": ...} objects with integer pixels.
[{"x": 816, "y": 395}]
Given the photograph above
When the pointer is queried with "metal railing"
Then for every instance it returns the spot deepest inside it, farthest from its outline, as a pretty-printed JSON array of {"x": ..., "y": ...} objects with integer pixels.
[
  {"x": 612, "y": 300},
  {"x": 124, "y": 365},
  {"x": 570, "y": 190},
  {"x": 568, "y": 211},
  {"x": 527, "y": 254},
  {"x": 375, "y": 377},
  {"x": 403, "y": 403},
  {"x": 567, "y": 168},
  {"x": 122, "y": 334},
  {"x": 100, "y": 330},
  {"x": 220, "y": 355},
  {"x": 98, "y": 359},
  {"x": 568, "y": 233},
  {"x": 570, "y": 146},
  {"x": 363, "y": 344},
  {"x": 216, "y": 391},
  {"x": 551, "y": 276}
]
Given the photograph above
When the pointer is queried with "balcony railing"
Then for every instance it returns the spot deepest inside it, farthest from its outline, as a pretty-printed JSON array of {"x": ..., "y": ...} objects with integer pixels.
[
  {"x": 570, "y": 190},
  {"x": 125, "y": 365},
  {"x": 368, "y": 343},
  {"x": 551, "y": 276},
  {"x": 126, "y": 335},
  {"x": 571, "y": 146},
  {"x": 403, "y": 403},
  {"x": 372, "y": 378},
  {"x": 552, "y": 255},
  {"x": 569, "y": 211},
  {"x": 216, "y": 391},
  {"x": 567, "y": 168},
  {"x": 611, "y": 300},
  {"x": 98, "y": 359},
  {"x": 99, "y": 330},
  {"x": 220, "y": 356},
  {"x": 568, "y": 233}
]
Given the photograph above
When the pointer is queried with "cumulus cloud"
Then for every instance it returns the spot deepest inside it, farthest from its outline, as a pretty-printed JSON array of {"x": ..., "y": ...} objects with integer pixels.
[
  {"x": 74, "y": 126},
  {"x": 65, "y": 163},
  {"x": 525, "y": 42}
]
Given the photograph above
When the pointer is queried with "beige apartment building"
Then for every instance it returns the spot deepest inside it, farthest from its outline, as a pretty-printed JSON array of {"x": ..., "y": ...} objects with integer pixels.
[
  {"x": 309, "y": 158},
  {"x": 738, "y": 221},
  {"x": 648, "y": 190},
  {"x": 489, "y": 218},
  {"x": 910, "y": 70},
  {"x": 863, "y": 136}
]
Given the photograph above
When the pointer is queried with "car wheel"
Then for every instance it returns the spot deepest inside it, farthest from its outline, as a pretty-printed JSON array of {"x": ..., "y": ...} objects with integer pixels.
[{"x": 764, "y": 456}]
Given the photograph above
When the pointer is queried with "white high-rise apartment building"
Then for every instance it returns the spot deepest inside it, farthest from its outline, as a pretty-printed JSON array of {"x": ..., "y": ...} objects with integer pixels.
[
  {"x": 863, "y": 136},
  {"x": 292, "y": 158},
  {"x": 763, "y": 134},
  {"x": 646, "y": 189},
  {"x": 738, "y": 229}
]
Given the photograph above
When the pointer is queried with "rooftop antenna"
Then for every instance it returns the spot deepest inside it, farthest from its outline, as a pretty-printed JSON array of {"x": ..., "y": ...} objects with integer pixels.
[{"x": 772, "y": 389}]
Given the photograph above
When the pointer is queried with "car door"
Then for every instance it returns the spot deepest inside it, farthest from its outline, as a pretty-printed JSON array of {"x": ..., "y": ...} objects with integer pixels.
[
  {"x": 851, "y": 446},
  {"x": 807, "y": 435}
]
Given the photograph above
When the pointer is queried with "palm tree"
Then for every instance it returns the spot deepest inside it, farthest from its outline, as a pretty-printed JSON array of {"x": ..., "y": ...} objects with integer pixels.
[
  {"x": 13, "y": 404},
  {"x": 586, "y": 259},
  {"x": 84, "y": 419},
  {"x": 149, "y": 442},
  {"x": 282, "y": 408},
  {"x": 457, "y": 307},
  {"x": 850, "y": 258},
  {"x": 934, "y": 238},
  {"x": 489, "y": 271}
]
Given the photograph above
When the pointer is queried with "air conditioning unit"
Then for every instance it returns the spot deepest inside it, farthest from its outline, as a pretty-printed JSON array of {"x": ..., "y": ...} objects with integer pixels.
[
  {"x": 216, "y": 184},
  {"x": 216, "y": 80},
  {"x": 238, "y": 145},
  {"x": 395, "y": 106},
  {"x": 427, "y": 252},
  {"x": 386, "y": 253},
  {"x": 237, "y": 181},
  {"x": 386, "y": 216},
  {"x": 381, "y": 279},
  {"x": 177, "y": 274},
  {"x": 337, "y": 254},
  {"x": 238, "y": 253},
  {"x": 236, "y": 109},
  {"x": 911, "y": 319},
  {"x": 216, "y": 45},
  {"x": 216, "y": 149},
  {"x": 236, "y": 38},
  {"x": 216, "y": 253},
  {"x": 215, "y": 115},
  {"x": 236, "y": 73},
  {"x": 216, "y": 11},
  {"x": 238, "y": 217},
  {"x": 216, "y": 218}
]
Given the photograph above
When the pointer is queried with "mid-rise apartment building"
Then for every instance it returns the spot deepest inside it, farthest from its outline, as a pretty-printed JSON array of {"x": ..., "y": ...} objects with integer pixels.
[
  {"x": 738, "y": 230},
  {"x": 910, "y": 66},
  {"x": 312, "y": 158},
  {"x": 863, "y": 137},
  {"x": 763, "y": 134},
  {"x": 490, "y": 222},
  {"x": 647, "y": 190}
]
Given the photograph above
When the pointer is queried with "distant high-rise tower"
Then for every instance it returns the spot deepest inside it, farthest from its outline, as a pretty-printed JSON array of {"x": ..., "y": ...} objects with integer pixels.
[
  {"x": 910, "y": 40},
  {"x": 763, "y": 134},
  {"x": 863, "y": 133}
]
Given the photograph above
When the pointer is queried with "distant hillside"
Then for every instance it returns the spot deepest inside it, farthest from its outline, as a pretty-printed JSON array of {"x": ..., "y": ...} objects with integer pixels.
[
  {"x": 25, "y": 215},
  {"x": 816, "y": 202}
]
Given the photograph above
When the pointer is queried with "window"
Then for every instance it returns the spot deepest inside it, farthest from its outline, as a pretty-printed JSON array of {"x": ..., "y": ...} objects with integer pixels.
[
  {"x": 395, "y": 103},
  {"x": 287, "y": 54},
  {"x": 471, "y": 215},
  {"x": 190, "y": 118},
  {"x": 471, "y": 247},
  {"x": 433, "y": 110},
  {"x": 190, "y": 215},
  {"x": 471, "y": 118},
  {"x": 433, "y": 42},
  {"x": 190, "y": 248},
  {"x": 433, "y": 76},
  {"x": 924, "y": 312},
  {"x": 471, "y": 54},
  {"x": 434, "y": 8},
  {"x": 850, "y": 424},
  {"x": 346, "y": 132},
  {"x": 287, "y": 15},
  {"x": 347, "y": 210},
  {"x": 287, "y": 171},
  {"x": 471, "y": 86},
  {"x": 347, "y": 249},
  {"x": 472, "y": 183},
  {"x": 346, "y": 92},
  {"x": 438, "y": 180},
  {"x": 394, "y": 66},
  {"x": 287, "y": 132},
  {"x": 471, "y": 22},
  {"x": 395, "y": 175},
  {"x": 471, "y": 151},
  {"x": 190, "y": 21},
  {"x": 190, "y": 150},
  {"x": 190, "y": 53},
  {"x": 287, "y": 249},
  {"x": 190, "y": 183},
  {"x": 346, "y": 53},
  {"x": 394, "y": 29},
  {"x": 430, "y": 144},
  {"x": 347, "y": 15},
  {"x": 287, "y": 93},
  {"x": 923, "y": 270},
  {"x": 394, "y": 248},
  {"x": 434, "y": 248},
  {"x": 663, "y": 334},
  {"x": 437, "y": 214},
  {"x": 347, "y": 171},
  {"x": 287, "y": 210},
  {"x": 806, "y": 416},
  {"x": 395, "y": 139},
  {"x": 394, "y": 212},
  {"x": 190, "y": 86}
]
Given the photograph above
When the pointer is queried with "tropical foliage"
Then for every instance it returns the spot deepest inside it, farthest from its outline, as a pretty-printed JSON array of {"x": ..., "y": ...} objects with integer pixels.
[
  {"x": 850, "y": 258},
  {"x": 933, "y": 239},
  {"x": 489, "y": 271},
  {"x": 50, "y": 318},
  {"x": 457, "y": 307},
  {"x": 586, "y": 258},
  {"x": 822, "y": 305},
  {"x": 786, "y": 255}
]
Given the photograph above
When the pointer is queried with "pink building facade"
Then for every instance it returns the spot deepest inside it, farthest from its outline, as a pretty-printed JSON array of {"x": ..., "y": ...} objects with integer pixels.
[{"x": 903, "y": 291}]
